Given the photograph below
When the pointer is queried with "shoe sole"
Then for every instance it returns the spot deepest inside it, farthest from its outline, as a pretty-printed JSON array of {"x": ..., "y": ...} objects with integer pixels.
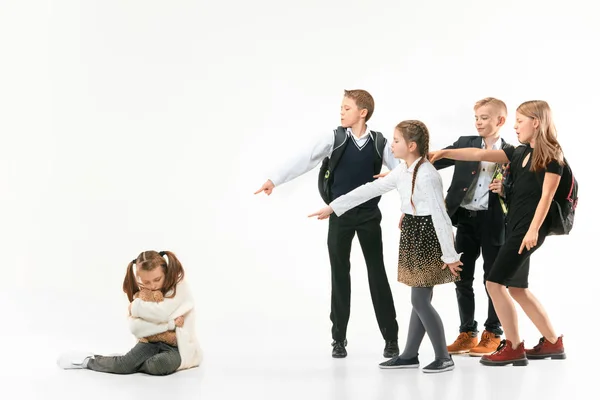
[
  {"x": 435, "y": 371},
  {"x": 71, "y": 366},
  {"x": 459, "y": 351},
  {"x": 399, "y": 366},
  {"x": 556, "y": 356},
  {"x": 480, "y": 354},
  {"x": 517, "y": 363},
  {"x": 65, "y": 364},
  {"x": 344, "y": 356}
]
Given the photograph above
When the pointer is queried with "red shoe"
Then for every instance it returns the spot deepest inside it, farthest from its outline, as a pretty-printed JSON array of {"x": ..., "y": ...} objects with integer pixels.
[
  {"x": 545, "y": 349},
  {"x": 505, "y": 355}
]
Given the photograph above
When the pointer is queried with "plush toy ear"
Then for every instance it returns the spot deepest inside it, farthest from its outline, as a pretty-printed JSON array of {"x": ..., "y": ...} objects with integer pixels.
[
  {"x": 157, "y": 296},
  {"x": 145, "y": 295}
]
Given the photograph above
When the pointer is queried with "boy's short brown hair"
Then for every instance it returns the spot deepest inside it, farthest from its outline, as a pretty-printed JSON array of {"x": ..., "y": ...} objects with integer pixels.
[
  {"x": 363, "y": 100},
  {"x": 494, "y": 103}
]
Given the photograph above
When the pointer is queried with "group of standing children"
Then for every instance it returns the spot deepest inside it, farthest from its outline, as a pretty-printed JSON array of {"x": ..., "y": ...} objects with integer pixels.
[{"x": 503, "y": 223}]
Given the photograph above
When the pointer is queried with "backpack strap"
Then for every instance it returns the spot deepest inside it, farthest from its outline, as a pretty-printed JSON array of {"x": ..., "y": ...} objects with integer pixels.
[
  {"x": 339, "y": 145},
  {"x": 570, "y": 196},
  {"x": 567, "y": 169},
  {"x": 379, "y": 142}
]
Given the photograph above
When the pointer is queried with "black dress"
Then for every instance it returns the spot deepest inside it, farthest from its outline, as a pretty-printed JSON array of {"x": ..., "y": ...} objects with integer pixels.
[{"x": 511, "y": 268}]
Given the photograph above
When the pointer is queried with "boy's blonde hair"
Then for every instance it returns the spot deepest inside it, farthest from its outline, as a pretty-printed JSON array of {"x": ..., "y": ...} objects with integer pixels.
[
  {"x": 363, "y": 100},
  {"x": 496, "y": 104}
]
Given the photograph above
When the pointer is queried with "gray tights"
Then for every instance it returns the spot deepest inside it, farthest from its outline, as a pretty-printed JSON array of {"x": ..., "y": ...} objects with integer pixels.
[
  {"x": 151, "y": 358},
  {"x": 424, "y": 318}
]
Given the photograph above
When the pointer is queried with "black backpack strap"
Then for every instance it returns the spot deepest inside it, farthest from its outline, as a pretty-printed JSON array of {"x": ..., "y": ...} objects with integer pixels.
[
  {"x": 379, "y": 142},
  {"x": 339, "y": 144}
]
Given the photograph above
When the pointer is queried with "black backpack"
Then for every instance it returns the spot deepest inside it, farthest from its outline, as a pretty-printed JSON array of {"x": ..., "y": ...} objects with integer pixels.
[
  {"x": 339, "y": 145},
  {"x": 562, "y": 209},
  {"x": 564, "y": 203}
]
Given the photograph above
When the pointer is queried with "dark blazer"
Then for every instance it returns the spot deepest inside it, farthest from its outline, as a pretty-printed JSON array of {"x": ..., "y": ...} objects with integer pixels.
[{"x": 465, "y": 172}]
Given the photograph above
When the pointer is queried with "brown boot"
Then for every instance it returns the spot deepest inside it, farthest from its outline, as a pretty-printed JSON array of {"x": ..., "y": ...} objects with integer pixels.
[
  {"x": 463, "y": 343},
  {"x": 488, "y": 344}
]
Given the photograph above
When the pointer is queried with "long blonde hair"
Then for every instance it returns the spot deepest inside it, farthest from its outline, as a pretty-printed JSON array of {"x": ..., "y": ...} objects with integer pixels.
[{"x": 546, "y": 147}]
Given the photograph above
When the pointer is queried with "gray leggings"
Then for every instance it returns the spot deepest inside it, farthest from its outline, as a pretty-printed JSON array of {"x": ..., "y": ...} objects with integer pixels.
[
  {"x": 151, "y": 358},
  {"x": 424, "y": 318}
]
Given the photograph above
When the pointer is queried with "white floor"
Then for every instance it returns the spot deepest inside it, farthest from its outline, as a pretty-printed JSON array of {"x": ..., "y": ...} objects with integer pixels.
[
  {"x": 262, "y": 364},
  {"x": 308, "y": 375}
]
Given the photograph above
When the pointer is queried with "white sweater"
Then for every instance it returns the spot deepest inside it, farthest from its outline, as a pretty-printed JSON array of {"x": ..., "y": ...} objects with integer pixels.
[{"x": 150, "y": 318}]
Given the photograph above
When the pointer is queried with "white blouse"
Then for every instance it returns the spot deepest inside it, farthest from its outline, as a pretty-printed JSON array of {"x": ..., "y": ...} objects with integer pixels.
[{"x": 428, "y": 199}]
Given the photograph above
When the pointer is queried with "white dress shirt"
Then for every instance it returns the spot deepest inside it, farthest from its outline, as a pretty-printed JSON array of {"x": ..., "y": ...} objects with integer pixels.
[
  {"x": 312, "y": 156},
  {"x": 428, "y": 199},
  {"x": 477, "y": 197}
]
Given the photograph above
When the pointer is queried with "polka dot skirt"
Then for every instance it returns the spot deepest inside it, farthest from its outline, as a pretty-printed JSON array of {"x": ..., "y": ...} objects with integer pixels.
[{"x": 420, "y": 255}]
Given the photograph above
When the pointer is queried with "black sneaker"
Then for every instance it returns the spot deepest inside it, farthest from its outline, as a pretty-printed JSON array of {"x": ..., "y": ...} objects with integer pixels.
[
  {"x": 398, "y": 362},
  {"x": 440, "y": 365},
  {"x": 391, "y": 349},
  {"x": 339, "y": 349}
]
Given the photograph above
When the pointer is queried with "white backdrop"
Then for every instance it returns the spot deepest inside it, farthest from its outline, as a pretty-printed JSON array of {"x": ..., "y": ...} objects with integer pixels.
[{"x": 134, "y": 125}]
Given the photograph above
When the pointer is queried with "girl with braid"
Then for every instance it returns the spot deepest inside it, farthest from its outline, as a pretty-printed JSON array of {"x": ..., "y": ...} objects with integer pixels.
[
  {"x": 427, "y": 255},
  {"x": 161, "y": 317}
]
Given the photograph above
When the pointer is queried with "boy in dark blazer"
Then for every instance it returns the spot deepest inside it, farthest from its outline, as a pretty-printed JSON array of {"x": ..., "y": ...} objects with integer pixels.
[{"x": 477, "y": 209}]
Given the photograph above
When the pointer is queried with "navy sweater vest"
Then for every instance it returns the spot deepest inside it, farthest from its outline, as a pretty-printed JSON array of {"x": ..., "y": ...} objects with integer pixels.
[{"x": 355, "y": 168}]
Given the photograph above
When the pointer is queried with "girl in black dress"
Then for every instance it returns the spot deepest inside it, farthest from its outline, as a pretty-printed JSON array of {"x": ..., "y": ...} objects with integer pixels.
[{"x": 536, "y": 168}]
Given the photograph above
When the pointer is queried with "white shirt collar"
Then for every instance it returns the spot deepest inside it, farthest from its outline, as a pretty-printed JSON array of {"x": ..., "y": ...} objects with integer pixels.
[
  {"x": 496, "y": 146},
  {"x": 411, "y": 168},
  {"x": 367, "y": 132}
]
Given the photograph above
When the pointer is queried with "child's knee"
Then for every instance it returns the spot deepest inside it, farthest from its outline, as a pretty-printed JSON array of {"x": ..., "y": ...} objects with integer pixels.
[
  {"x": 493, "y": 287},
  {"x": 517, "y": 293},
  {"x": 421, "y": 297},
  {"x": 160, "y": 366}
]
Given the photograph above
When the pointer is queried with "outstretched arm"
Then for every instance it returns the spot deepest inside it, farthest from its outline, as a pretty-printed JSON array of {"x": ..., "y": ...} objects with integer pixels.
[
  {"x": 307, "y": 159},
  {"x": 470, "y": 154},
  {"x": 446, "y": 162},
  {"x": 361, "y": 194}
]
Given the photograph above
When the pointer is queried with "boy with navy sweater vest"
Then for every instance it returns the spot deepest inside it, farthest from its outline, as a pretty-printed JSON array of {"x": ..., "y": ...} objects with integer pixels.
[{"x": 358, "y": 164}]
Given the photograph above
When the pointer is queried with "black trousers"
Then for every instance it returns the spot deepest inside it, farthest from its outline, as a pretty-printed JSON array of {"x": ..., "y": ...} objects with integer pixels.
[
  {"x": 365, "y": 222},
  {"x": 473, "y": 239}
]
